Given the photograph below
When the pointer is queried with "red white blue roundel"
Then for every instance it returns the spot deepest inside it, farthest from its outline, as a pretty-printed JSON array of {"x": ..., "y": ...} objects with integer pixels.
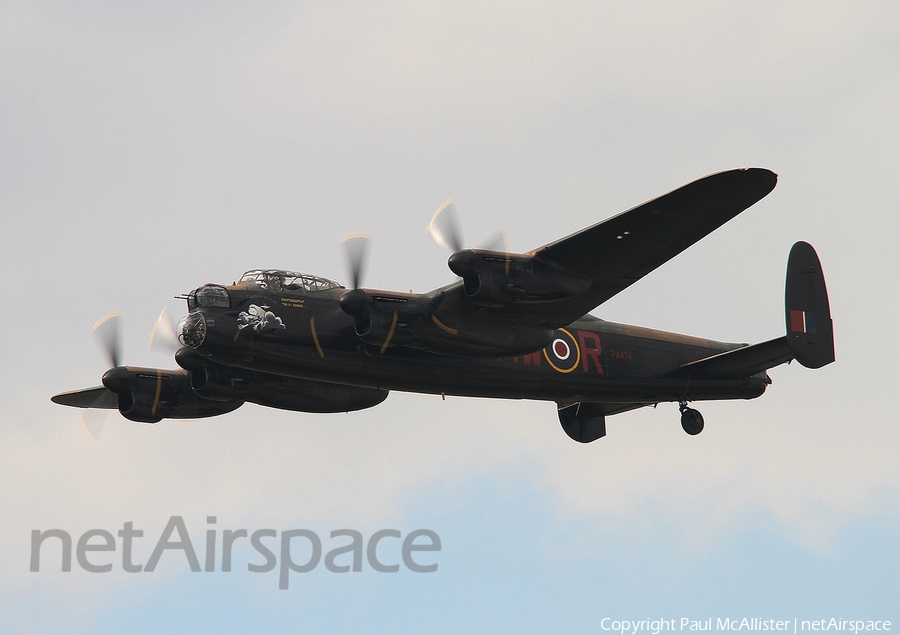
[{"x": 563, "y": 353}]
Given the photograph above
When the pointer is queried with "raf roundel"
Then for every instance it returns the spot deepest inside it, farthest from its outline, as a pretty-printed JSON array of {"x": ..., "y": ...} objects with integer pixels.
[{"x": 563, "y": 353}]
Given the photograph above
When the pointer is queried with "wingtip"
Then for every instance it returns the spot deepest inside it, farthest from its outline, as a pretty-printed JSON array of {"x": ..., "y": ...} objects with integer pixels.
[
  {"x": 763, "y": 174},
  {"x": 762, "y": 180},
  {"x": 97, "y": 397}
]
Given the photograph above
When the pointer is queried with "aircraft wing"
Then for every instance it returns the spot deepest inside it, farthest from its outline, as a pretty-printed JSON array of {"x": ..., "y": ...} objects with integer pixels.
[
  {"x": 98, "y": 397},
  {"x": 618, "y": 252}
]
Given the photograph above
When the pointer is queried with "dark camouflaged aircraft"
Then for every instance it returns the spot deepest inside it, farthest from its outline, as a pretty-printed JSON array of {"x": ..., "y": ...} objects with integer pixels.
[{"x": 514, "y": 326}]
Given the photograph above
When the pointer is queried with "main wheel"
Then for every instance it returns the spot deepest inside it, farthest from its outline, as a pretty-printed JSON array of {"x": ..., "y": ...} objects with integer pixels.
[{"x": 692, "y": 421}]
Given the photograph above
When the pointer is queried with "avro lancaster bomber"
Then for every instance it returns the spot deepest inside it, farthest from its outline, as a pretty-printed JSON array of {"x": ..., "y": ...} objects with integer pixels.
[{"x": 512, "y": 326}]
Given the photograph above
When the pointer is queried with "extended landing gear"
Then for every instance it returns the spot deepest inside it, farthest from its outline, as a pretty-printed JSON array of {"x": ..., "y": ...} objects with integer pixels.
[{"x": 691, "y": 420}]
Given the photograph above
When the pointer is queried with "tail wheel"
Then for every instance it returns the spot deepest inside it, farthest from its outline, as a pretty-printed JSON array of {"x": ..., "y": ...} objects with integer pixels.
[{"x": 691, "y": 421}]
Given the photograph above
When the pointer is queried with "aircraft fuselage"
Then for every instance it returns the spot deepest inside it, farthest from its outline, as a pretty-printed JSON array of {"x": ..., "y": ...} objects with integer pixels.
[{"x": 309, "y": 336}]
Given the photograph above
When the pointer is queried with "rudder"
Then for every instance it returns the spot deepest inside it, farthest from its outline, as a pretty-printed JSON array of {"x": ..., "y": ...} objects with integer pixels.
[{"x": 810, "y": 332}]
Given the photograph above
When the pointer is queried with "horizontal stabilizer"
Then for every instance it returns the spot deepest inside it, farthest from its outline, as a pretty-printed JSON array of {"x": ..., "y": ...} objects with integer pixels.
[
  {"x": 98, "y": 397},
  {"x": 810, "y": 333},
  {"x": 744, "y": 361}
]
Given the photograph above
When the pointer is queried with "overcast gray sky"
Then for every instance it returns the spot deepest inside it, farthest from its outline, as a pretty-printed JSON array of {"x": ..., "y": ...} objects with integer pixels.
[{"x": 147, "y": 149}]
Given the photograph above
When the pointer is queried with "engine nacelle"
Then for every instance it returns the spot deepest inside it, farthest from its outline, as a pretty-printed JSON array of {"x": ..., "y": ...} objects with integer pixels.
[
  {"x": 386, "y": 319},
  {"x": 222, "y": 383},
  {"x": 148, "y": 395},
  {"x": 495, "y": 279}
]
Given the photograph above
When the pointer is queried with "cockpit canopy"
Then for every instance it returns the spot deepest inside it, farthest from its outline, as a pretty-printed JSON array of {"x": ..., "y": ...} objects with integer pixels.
[{"x": 277, "y": 280}]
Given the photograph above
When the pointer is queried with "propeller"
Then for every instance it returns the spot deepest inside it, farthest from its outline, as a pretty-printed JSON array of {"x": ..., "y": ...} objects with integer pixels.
[
  {"x": 355, "y": 246},
  {"x": 354, "y": 302},
  {"x": 92, "y": 422},
  {"x": 163, "y": 335},
  {"x": 445, "y": 229},
  {"x": 107, "y": 329},
  {"x": 128, "y": 389}
]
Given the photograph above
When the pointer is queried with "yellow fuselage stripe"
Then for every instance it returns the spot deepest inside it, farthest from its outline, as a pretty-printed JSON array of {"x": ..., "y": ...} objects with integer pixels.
[
  {"x": 443, "y": 326},
  {"x": 158, "y": 392},
  {"x": 390, "y": 334},
  {"x": 312, "y": 327}
]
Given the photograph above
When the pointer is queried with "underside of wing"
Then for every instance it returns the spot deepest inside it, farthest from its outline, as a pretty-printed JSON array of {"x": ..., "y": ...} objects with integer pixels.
[
  {"x": 619, "y": 251},
  {"x": 98, "y": 397}
]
